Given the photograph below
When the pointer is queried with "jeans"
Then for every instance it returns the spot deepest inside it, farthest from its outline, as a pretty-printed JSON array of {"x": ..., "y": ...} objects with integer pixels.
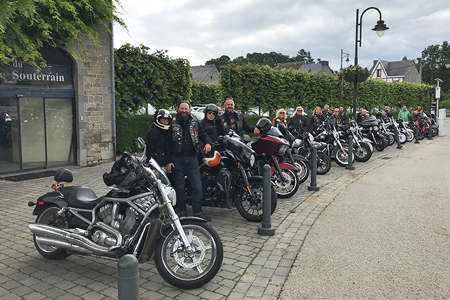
[{"x": 187, "y": 166}]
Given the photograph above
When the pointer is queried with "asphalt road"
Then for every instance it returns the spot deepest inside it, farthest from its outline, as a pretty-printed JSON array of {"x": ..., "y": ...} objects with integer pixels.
[{"x": 385, "y": 236}]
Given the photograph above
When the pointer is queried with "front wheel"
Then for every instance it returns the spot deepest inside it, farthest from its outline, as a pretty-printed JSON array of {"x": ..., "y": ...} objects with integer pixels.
[
  {"x": 189, "y": 268},
  {"x": 286, "y": 183},
  {"x": 409, "y": 136},
  {"x": 401, "y": 137},
  {"x": 251, "y": 206},
  {"x": 323, "y": 163},
  {"x": 49, "y": 217},
  {"x": 362, "y": 153},
  {"x": 303, "y": 170},
  {"x": 342, "y": 157}
]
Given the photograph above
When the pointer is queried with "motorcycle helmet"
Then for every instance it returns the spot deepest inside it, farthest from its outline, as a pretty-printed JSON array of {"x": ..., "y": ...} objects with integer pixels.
[
  {"x": 211, "y": 107},
  {"x": 124, "y": 172},
  {"x": 211, "y": 159},
  {"x": 264, "y": 125},
  {"x": 163, "y": 114}
]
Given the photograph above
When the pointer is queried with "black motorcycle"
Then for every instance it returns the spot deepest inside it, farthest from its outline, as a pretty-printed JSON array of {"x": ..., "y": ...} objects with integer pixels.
[
  {"x": 136, "y": 217},
  {"x": 228, "y": 182},
  {"x": 372, "y": 130}
]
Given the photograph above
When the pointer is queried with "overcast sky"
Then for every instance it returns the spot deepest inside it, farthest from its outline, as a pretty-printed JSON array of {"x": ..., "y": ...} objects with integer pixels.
[{"x": 199, "y": 30}]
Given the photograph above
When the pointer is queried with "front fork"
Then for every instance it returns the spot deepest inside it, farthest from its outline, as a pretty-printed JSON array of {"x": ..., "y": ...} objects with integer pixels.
[{"x": 174, "y": 217}]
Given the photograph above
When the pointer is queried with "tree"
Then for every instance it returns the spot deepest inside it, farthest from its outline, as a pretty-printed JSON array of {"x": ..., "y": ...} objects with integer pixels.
[
  {"x": 25, "y": 25},
  {"x": 219, "y": 62},
  {"x": 141, "y": 78},
  {"x": 433, "y": 62},
  {"x": 303, "y": 55}
]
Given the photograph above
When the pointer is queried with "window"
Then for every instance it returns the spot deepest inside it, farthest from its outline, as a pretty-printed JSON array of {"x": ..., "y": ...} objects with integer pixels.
[{"x": 378, "y": 73}]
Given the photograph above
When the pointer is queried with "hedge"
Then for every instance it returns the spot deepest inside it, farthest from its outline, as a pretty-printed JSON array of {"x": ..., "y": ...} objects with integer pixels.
[{"x": 128, "y": 129}]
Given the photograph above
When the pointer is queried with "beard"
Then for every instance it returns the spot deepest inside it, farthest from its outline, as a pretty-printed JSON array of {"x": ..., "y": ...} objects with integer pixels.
[{"x": 183, "y": 116}]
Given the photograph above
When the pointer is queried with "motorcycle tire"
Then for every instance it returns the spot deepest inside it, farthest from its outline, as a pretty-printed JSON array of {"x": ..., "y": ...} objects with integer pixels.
[
  {"x": 362, "y": 154},
  {"x": 287, "y": 187},
  {"x": 380, "y": 143},
  {"x": 421, "y": 134},
  {"x": 47, "y": 217},
  {"x": 303, "y": 170},
  {"x": 390, "y": 138},
  {"x": 342, "y": 157},
  {"x": 250, "y": 207},
  {"x": 409, "y": 136},
  {"x": 323, "y": 163},
  {"x": 402, "y": 137},
  {"x": 189, "y": 270},
  {"x": 434, "y": 131}
]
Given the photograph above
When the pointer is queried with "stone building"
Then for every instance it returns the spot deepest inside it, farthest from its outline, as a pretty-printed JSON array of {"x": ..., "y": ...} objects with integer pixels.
[
  {"x": 205, "y": 74},
  {"x": 62, "y": 115}
]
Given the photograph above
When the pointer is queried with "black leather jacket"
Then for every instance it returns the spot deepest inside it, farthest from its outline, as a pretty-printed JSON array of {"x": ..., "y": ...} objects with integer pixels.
[
  {"x": 299, "y": 123},
  {"x": 224, "y": 121},
  {"x": 157, "y": 141},
  {"x": 180, "y": 145}
]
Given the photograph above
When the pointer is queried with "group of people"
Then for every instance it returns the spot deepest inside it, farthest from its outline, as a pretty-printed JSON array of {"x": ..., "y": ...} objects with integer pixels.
[{"x": 176, "y": 143}]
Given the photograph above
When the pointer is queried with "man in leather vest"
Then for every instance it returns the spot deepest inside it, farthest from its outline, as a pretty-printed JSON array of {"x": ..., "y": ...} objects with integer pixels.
[
  {"x": 185, "y": 133},
  {"x": 231, "y": 119}
]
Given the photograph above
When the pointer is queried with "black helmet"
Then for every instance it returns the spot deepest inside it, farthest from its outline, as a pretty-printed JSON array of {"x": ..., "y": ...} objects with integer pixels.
[
  {"x": 162, "y": 114},
  {"x": 124, "y": 172},
  {"x": 211, "y": 107},
  {"x": 264, "y": 125}
]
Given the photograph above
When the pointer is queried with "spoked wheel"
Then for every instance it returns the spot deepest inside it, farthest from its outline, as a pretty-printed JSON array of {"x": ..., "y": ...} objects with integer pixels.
[
  {"x": 421, "y": 134},
  {"x": 323, "y": 163},
  {"x": 251, "y": 206},
  {"x": 48, "y": 217},
  {"x": 286, "y": 183},
  {"x": 362, "y": 153},
  {"x": 189, "y": 268},
  {"x": 391, "y": 139},
  {"x": 434, "y": 131}
]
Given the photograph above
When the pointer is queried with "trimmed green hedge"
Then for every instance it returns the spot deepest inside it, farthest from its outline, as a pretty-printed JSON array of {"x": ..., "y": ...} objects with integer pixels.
[{"x": 128, "y": 129}]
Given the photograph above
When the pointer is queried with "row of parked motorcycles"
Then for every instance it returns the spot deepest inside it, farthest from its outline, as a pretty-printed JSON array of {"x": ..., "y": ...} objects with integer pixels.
[{"x": 138, "y": 215}]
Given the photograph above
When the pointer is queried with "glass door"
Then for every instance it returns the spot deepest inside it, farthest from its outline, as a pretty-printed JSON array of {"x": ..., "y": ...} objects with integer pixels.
[
  {"x": 9, "y": 135},
  {"x": 32, "y": 132}
]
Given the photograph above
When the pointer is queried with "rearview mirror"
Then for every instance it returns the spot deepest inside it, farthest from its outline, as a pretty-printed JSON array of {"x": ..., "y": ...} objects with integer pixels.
[{"x": 140, "y": 143}]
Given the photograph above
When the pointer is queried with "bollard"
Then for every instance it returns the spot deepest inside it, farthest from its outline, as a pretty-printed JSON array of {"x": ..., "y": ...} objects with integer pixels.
[
  {"x": 397, "y": 139},
  {"x": 266, "y": 228},
  {"x": 430, "y": 135},
  {"x": 128, "y": 281},
  {"x": 313, "y": 159},
  {"x": 417, "y": 134},
  {"x": 350, "y": 154}
]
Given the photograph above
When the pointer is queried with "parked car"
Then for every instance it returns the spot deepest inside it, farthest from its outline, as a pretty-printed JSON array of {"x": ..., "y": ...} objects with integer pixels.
[{"x": 198, "y": 115}]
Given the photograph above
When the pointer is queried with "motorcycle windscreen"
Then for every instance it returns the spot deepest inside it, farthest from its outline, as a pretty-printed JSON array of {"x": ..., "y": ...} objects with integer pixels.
[
  {"x": 161, "y": 174},
  {"x": 240, "y": 150}
]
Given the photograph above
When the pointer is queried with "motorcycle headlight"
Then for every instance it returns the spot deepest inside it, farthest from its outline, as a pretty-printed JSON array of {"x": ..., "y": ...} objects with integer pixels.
[
  {"x": 252, "y": 160},
  {"x": 282, "y": 149},
  {"x": 170, "y": 192},
  {"x": 375, "y": 128}
]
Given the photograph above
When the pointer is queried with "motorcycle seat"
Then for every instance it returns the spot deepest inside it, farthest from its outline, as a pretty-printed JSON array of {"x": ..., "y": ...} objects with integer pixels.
[{"x": 82, "y": 197}]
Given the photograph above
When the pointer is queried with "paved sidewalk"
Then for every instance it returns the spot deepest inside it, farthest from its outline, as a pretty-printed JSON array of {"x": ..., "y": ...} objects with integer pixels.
[{"x": 254, "y": 266}]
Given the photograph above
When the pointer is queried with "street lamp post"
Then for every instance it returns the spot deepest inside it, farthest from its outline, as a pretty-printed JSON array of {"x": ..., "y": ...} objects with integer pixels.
[
  {"x": 438, "y": 96},
  {"x": 343, "y": 54},
  {"x": 379, "y": 28}
]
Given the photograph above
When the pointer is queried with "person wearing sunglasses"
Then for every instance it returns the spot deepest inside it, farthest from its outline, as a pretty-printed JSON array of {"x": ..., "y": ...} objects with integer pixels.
[
  {"x": 209, "y": 123},
  {"x": 298, "y": 123},
  {"x": 280, "y": 118},
  {"x": 231, "y": 119}
]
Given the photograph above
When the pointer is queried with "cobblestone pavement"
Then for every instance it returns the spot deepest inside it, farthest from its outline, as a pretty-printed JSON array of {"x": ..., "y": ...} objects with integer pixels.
[{"x": 254, "y": 266}]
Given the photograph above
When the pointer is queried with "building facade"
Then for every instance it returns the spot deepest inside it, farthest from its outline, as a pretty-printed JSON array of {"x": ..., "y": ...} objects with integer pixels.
[
  {"x": 62, "y": 115},
  {"x": 399, "y": 71}
]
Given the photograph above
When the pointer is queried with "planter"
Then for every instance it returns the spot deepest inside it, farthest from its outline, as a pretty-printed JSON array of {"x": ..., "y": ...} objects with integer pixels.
[{"x": 359, "y": 77}]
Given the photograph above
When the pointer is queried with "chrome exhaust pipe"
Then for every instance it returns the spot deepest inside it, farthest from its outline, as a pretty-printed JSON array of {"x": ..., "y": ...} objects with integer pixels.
[{"x": 51, "y": 236}]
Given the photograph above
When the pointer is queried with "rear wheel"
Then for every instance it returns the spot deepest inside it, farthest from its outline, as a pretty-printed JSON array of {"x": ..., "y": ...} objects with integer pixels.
[
  {"x": 303, "y": 170},
  {"x": 379, "y": 143},
  {"x": 409, "y": 136},
  {"x": 402, "y": 137},
  {"x": 251, "y": 206},
  {"x": 342, "y": 157},
  {"x": 49, "y": 217}
]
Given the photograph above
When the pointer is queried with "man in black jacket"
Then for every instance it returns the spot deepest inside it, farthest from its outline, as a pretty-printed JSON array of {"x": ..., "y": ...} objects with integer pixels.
[
  {"x": 185, "y": 134},
  {"x": 231, "y": 119}
]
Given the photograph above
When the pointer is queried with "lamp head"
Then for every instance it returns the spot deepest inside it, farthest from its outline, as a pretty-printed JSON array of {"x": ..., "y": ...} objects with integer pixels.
[
  {"x": 447, "y": 63},
  {"x": 380, "y": 28}
]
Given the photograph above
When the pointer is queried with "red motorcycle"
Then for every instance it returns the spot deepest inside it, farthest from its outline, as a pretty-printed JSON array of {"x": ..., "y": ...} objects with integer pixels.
[{"x": 268, "y": 148}]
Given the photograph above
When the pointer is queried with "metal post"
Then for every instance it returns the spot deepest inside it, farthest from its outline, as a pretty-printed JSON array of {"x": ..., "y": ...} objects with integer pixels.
[
  {"x": 430, "y": 137},
  {"x": 417, "y": 134},
  {"x": 128, "y": 281},
  {"x": 266, "y": 228},
  {"x": 397, "y": 139},
  {"x": 350, "y": 154},
  {"x": 313, "y": 159}
]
